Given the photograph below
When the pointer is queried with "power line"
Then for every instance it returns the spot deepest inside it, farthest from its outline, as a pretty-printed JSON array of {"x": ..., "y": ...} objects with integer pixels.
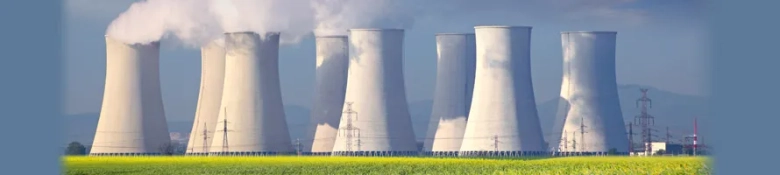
[
  {"x": 668, "y": 136},
  {"x": 565, "y": 142},
  {"x": 298, "y": 146},
  {"x": 695, "y": 137},
  {"x": 495, "y": 142},
  {"x": 582, "y": 133},
  {"x": 358, "y": 141},
  {"x": 574, "y": 140},
  {"x": 630, "y": 138},
  {"x": 197, "y": 118},
  {"x": 350, "y": 129},
  {"x": 205, "y": 138},
  {"x": 645, "y": 120},
  {"x": 225, "y": 131}
]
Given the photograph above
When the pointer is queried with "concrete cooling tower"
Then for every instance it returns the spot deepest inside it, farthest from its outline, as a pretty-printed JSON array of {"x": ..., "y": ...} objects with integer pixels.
[
  {"x": 209, "y": 98},
  {"x": 251, "y": 118},
  {"x": 331, "y": 84},
  {"x": 376, "y": 118},
  {"x": 589, "y": 117},
  {"x": 452, "y": 96},
  {"x": 132, "y": 119},
  {"x": 503, "y": 118}
]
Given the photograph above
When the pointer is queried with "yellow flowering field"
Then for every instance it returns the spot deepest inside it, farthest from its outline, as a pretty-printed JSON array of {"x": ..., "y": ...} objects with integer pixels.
[{"x": 84, "y": 165}]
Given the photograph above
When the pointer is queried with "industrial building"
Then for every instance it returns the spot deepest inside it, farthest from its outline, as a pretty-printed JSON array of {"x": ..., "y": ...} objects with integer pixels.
[
  {"x": 455, "y": 66},
  {"x": 251, "y": 118},
  {"x": 589, "y": 119},
  {"x": 376, "y": 119},
  {"x": 661, "y": 148},
  {"x": 330, "y": 88},
  {"x": 503, "y": 120},
  {"x": 132, "y": 118},
  {"x": 212, "y": 75}
]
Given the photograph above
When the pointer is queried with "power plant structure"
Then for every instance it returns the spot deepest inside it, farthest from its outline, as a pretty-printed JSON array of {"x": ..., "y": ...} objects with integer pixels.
[
  {"x": 330, "y": 88},
  {"x": 590, "y": 121},
  {"x": 251, "y": 118},
  {"x": 376, "y": 119},
  {"x": 503, "y": 119},
  {"x": 452, "y": 96},
  {"x": 132, "y": 118},
  {"x": 483, "y": 102},
  {"x": 212, "y": 75}
]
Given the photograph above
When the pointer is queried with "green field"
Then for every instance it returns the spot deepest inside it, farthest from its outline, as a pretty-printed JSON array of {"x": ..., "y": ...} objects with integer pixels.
[{"x": 378, "y": 165}]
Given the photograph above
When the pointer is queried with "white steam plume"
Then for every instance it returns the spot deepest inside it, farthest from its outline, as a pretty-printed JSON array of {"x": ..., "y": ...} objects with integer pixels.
[
  {"x": 290, "y": 17},
  {"x": 197, "y": 22},
  {"x": 334, "y": 17},
  {"x": 152, "y": 20}
]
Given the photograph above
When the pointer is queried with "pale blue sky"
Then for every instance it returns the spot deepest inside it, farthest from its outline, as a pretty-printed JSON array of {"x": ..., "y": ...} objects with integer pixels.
[{"x": 660, "y": 44}]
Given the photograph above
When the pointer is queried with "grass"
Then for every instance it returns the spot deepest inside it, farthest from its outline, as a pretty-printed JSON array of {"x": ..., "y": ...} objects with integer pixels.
[{"x": 383, "y": 165}]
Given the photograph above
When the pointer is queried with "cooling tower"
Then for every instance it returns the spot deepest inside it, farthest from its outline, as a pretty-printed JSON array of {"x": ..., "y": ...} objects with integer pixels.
[
  {"x": 331, "y": 84},
  {"x": 376, "y": 118},
  {"x": 452, "y": 96},
  {"x": 589, "y": 110},
  {"x": 209, "y": 98},
  {"x": 132, "y": 119},
  {"x": 251, "y": 118},
  {"x": 503, "y": 118}
]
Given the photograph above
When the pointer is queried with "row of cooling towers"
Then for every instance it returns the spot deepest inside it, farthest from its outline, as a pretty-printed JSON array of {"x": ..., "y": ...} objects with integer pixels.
[{"x": 484, "y": 101}]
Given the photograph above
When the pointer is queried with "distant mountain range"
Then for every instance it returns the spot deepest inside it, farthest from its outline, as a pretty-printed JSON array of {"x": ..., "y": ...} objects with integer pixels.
[
  {"x": 669, "y": 109},
  {"x": 672, "y": 110},
  {"x": 82, "y": 127}
]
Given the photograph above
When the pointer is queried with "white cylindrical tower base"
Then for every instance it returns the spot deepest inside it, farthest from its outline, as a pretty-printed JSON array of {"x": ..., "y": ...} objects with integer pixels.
[
  {"x": 590, "y": 120},
  {"x": 378, "y": 122},
  {"x": 330, "y": 87},
  {"x": 503, "y": 118},
  {"x": 452, "y": 96},
  {"x": 251, "y": 119},
  {"x": 209, "y": 98},
  {"x": 132, "y": 119}
]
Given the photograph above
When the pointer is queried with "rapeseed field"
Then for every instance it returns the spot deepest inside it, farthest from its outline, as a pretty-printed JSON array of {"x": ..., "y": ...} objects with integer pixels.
[{"x": 156, "y": 165}]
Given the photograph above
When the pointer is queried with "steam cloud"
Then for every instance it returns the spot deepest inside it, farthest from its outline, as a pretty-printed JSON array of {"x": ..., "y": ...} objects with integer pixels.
[
  {"x": 290, "y": 17},
  {"x": 151, "y": 20},
  {"x": 197, "y": 22},
  {"x": 334, "y": 17}
]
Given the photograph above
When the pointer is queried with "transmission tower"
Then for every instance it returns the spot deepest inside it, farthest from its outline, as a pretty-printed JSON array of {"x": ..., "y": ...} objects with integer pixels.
[
  {"x": 649, "y": 143},
  {"x": 645, "y": 120},
  {"x": 350, "y": 130},
  {"x": 695, "y": 137},
  {"x": 358, "y": 141},
  {"x": 495, "y": 143},
  {"x": 205, "y": 138},
  {"x": 574, "y": 141},
  {"x": 630, "y": 138},
  {"x": 225, "y": 131},
  {"x": 668, "y": 136},
  {"x": 582, "y": 134},
  {"x": 565, "y": 142},
  {"x": 298, "y": 146}
]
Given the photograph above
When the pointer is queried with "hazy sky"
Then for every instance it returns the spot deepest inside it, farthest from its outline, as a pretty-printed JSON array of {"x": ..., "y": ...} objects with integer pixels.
[{"x": 660, "y": 44}]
